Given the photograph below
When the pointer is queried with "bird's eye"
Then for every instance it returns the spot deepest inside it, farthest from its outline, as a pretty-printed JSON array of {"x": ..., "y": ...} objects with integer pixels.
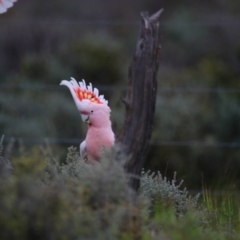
[{"x": 91, "y": 111}]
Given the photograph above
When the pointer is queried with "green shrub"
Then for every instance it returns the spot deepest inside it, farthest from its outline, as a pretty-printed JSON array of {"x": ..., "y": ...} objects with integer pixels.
[
  {"x": 43, "y": 199},
  {"x": 159, "y": 189}
]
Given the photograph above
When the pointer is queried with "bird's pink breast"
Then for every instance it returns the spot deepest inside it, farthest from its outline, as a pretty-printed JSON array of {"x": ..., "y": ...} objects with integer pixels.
[{"x": 96, "y": 140}]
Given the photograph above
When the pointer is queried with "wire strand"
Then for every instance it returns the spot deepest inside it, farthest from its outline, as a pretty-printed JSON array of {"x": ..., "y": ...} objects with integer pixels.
[
  {"x": 52, "y": 87},
  {"x": 77, "y": 141},
  {"x": 108, "y": 22}
]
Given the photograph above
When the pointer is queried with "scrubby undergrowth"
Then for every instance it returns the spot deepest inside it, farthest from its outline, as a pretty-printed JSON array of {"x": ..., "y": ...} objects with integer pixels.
[{"x": 43, "y": 199}]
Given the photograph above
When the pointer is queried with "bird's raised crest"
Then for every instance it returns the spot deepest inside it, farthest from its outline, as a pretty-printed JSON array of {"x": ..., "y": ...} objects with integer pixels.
[{"x": 82, "y": 91}]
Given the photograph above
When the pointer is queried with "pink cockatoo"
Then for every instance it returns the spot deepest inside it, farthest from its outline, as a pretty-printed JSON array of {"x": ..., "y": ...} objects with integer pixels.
[
  {"x": 5, "y": 4},
  {"x": 95, "y": 111}
]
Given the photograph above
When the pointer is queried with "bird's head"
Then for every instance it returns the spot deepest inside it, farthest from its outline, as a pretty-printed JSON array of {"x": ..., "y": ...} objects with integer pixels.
[{"x": 93, "y": 108}]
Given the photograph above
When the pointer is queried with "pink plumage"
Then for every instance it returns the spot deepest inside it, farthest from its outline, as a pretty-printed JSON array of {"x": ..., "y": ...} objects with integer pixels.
[
  {"x": 95, "y": 111},
  {"x": 5, "y": 4}
]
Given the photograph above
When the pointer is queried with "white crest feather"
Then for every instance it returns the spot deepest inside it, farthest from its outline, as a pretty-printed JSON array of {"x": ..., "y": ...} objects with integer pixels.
[
  {"x": 96, "y": 91},
  {"x": 73, "y": 82},
  {"x": 5, "y": 4},
  {"x": 89, "y": 87}
]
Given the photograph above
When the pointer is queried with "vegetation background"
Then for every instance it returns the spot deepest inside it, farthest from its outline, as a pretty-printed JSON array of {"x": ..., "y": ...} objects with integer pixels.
[{"x": 197, "y": 125}]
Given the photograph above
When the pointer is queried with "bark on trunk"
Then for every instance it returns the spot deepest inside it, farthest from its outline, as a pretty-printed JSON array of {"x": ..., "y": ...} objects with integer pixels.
[{"x": 141, "y": 96}]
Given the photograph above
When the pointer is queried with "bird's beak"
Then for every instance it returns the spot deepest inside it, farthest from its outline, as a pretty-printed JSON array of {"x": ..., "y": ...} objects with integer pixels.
[{"x": 85, "y": 118}]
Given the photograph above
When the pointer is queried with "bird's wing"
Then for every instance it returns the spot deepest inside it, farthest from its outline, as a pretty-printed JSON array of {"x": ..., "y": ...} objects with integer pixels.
[
  {"x": 5, "y": 4},
  {"x": 83, "y": 151}
]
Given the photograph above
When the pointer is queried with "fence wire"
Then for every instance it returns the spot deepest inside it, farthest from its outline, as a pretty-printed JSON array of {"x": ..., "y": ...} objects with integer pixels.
[
  {"x": 53, "y": 87},
  {"x": 77, "y": 141},
  {"x": 126, "y": 23}
]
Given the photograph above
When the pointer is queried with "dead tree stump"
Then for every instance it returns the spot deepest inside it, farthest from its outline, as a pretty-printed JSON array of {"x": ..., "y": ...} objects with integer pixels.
[{"x": 141, "y": 96}]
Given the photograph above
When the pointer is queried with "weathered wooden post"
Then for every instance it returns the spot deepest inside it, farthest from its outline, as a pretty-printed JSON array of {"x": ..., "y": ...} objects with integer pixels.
[{"x": 141, "y": 96}]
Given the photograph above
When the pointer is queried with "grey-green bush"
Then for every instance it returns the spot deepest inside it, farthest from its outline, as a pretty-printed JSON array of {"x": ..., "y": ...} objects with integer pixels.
[{"x": 43, "y": 199}]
